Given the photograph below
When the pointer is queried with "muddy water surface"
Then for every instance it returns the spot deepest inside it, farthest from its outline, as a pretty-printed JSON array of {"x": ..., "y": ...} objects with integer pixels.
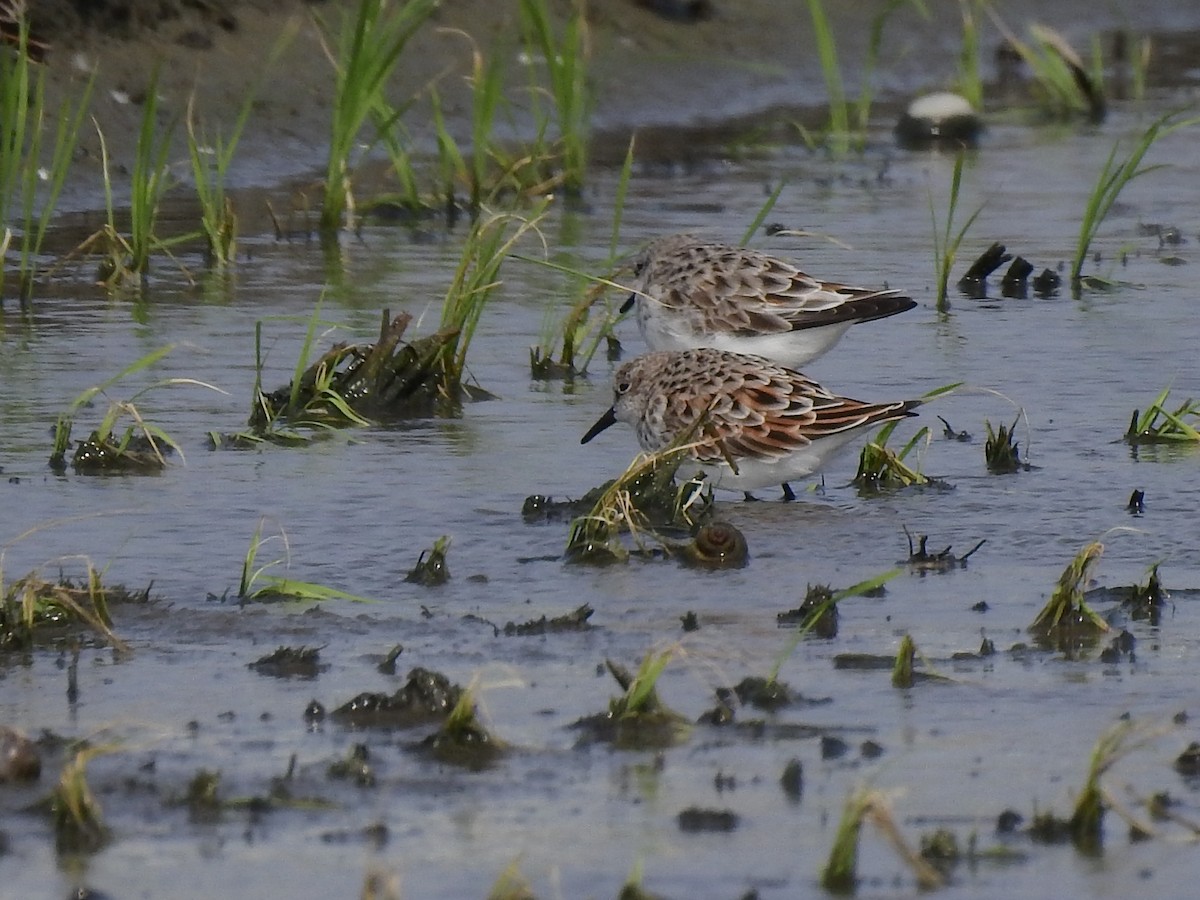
[{"x": 1009, "y": 732}]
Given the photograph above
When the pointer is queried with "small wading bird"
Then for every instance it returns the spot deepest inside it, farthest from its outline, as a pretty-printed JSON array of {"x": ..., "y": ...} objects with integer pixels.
[
  {"x": 693, "y": 293},
  {"x": 756, "y": 423}
]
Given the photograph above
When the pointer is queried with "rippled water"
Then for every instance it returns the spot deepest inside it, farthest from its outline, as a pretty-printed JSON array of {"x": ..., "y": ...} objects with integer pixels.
[{"x": 1011, "y": 732}]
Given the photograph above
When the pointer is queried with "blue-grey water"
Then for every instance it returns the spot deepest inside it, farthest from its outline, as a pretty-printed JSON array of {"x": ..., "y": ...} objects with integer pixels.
[{"x": 1011, "y": 732}]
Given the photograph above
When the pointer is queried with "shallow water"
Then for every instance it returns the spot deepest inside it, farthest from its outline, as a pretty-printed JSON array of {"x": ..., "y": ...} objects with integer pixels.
[{"x": 1009, "y": 732}]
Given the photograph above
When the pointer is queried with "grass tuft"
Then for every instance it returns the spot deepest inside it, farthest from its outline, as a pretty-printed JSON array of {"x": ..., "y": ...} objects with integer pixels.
[
  {"x": 369, "y": 46},
  {"x": 139, "y": 448},
  {"x": 32, "y": 170},
  {"x": 1160, "y": 425},
  {"x": 945, "y": 243},
  {"x": 78, "y": 822},
  {"x": 1113, "y": 178},
  {"x": 1066, "y": 617},
  {"x": 257, "y": 584},
  {"x": 565, "y": 61},
  {"x": 1001, "y": 451}
]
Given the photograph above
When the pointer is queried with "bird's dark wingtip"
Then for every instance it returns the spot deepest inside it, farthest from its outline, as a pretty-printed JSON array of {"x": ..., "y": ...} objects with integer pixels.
[{"x": 628, "y": 304}]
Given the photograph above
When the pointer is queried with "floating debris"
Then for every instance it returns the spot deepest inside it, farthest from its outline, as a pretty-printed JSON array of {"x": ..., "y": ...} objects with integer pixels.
[
  {"x": 1187, "y": 763},
  {"x": 1046, "y": 284},
  {"x": 951, "y": 434},
  {"x": 943, "y": 561},
  {"x": 1137, "y": 502}
]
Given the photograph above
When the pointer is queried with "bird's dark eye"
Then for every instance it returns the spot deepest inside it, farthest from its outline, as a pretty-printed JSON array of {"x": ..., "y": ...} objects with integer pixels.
[{"x": 623, "y": 387}]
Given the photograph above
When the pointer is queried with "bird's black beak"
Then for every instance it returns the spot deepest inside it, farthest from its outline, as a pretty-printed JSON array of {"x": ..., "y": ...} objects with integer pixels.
[
  {"x": 628, "y": 304},
  {"x": 609, "y": 418}
]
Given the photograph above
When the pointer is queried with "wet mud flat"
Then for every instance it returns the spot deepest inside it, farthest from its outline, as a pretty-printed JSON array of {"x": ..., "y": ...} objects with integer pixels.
[{"x": 220, "y": 764}]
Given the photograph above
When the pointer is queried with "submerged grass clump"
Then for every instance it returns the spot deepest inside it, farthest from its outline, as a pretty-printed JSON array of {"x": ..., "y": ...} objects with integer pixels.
[
  {"x": 463, "y": 740},
  {"x": 350, "y": 384},
  {"x": 882, "y": 468},
  {"x": 431, "y": 568},
  {"x": 848, "y": 121},
  {"x": 78, "y": 822},
  {"x": 1001, "y": 451},
  {"x": 642, "y": 498},
  {"x": 638, "y": 719},
  {"x": 491, "y": 239},
  {"x": 815, "y": 614},
  {"x": 840, "y": 875},
  {"x": 34, "y": 610},
  {"x": 257, "y": 584},
  {"x": 1160, "y": 425},
  {"x": 1066, "y": 619},
  {"x": 139, "y": 449},
  {"x": 125, "y": 255},
  {"x": 1085, "y": 827}
]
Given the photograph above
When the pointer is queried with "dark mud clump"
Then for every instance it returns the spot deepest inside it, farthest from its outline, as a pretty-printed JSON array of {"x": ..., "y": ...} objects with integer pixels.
[
  {"x": 105, "y": 455},
  {"x": 426, "y": 697},
  {"x": 944, "y": 560},
  {"x": 817, "y": 614},
  {"x": 188, "y": 22},
  {"x": 463, "y": 740},
  {"x": 291, "y": 662},
  {"x": 354, "y": 767},
  {"x": 637, "y": 720},
  {"x": 20, "y": 759},
  {"x": 697, "y": 819},
  {"x": 576, "y": 620},
  {"x": 431, "y": 569}
]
